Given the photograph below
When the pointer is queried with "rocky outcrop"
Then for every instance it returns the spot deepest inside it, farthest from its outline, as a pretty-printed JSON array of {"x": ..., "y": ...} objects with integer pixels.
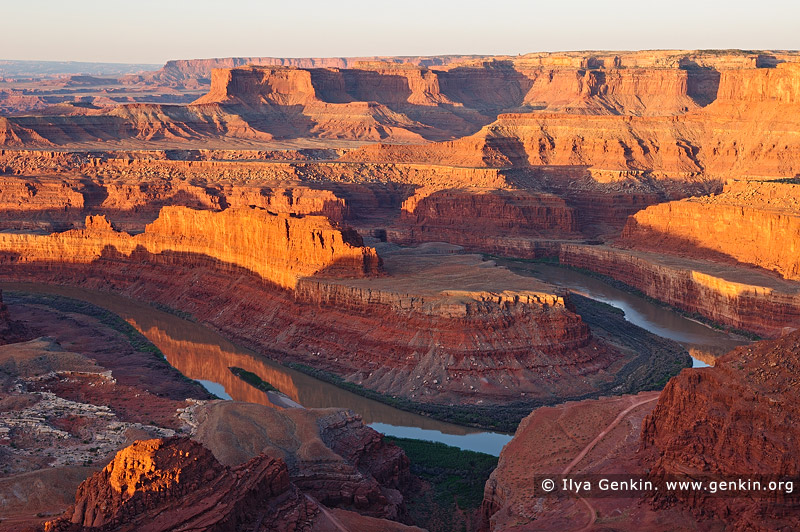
[
  {"x": 278, "y": 248},
  {"x": 375, "y": 102},
  {"x": 634, "y": 91},
  {"x": 744, "y": 299},
  {"x": 36, "y": 198},
  {"x": 330, "y": 454},
  {"x": 286, "y": 199},
  {"x": 59, "y": 202},
  {"x": 161, "y": 485},
  {"x": 735, "y": 420},
  {"x": 754, "y": 223},
  {"x": 711, "y": 141},
  {"x": 779, "y": 84},
  {"x": 589, "y": 440},
  {"x": 442, "y": 215},
  {"x": 197, "y": 71},
  {"x": 116, "y": 166}
]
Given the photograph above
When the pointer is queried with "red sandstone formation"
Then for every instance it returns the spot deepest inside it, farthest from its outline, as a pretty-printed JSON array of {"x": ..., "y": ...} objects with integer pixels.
[
  {"x": 386, "y": 101},
  {"x": 596, "y": 438},
  {"x": 63, "y": 413},
  {"x": 737, "y": 419},
  {"x": 508, "y": 219},
  {"x": 704, "y": 142},
  {"x": 70, "y": 409},
  {"x": 436, "y": 328},
  {"x": 280, "y": 249},
  {"x": 330, "y": 454},
  {"x": 750, "y": 222},
  {"x": 199, "y": 71},
  {"x": 745, "y": 299},
  {"x": 538, "y": 153},
  {"x": 733, "y": 421},
  {"x": 161, "y": 485}
]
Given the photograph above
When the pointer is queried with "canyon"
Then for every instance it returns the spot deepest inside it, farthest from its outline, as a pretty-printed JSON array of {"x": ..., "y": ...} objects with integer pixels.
[
  {"x": 730, "y": 421},
  {"x": 413, "y": 323},
  {"x": 352, "y": 218},
  {"x": 66, "y": 413}
]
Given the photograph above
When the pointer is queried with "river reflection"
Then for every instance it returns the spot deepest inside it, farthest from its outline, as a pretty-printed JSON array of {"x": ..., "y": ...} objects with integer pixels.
[
  {"x": 203, "y": 355},
  {"x": 703, "y": 343}
]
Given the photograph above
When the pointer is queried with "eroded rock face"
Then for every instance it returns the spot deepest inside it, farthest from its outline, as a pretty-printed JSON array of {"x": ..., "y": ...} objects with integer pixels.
[
  {"x": 279, "y": 248},
  {"x": 330, "y": 454},
  {"x": 184, "y": 71},
  {"x": 711, "y": 141},
  {"x": 505, "y": 215},
  {"x": 166, "y": 484},
  {"x": 442, "y": 99},
  {"x": 749, "y": 300},
  {"x": 549, "y": 441},
  {"x": 738, "y": 418},
  {"x": 755, "y": 223}
]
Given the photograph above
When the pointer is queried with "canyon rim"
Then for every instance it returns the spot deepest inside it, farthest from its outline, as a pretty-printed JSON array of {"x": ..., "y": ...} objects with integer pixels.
[{"x": 402, "y": 293}]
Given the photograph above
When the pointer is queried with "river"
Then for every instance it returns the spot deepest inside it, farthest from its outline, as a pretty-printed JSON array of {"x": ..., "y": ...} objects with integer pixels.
[
  {"x": 703, "y": 342},
  {"x": 205, "y": 356}
]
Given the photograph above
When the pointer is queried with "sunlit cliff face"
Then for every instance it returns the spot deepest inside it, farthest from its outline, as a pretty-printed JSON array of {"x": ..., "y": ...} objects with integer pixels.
[{"x": 278, "y": 248}]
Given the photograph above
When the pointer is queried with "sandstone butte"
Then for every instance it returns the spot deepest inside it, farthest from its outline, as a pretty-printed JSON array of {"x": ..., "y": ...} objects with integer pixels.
[{"x": 176, "y": 483}]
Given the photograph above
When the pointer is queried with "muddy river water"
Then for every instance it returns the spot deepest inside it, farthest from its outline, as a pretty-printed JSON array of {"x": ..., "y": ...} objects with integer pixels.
[
  {"x": 202, "y": 354},
  {"x": 703, "y": 342}
]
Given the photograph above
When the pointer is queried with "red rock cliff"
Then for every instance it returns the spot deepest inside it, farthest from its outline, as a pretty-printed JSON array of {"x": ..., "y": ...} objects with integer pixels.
[
  {"x": 744, "y": 299},
  {"x": 279, "y": 248},
  {"x": 750, "y": 222},
  {"x": 163, "y": 485},
  {"x": 737, "y": 419}
]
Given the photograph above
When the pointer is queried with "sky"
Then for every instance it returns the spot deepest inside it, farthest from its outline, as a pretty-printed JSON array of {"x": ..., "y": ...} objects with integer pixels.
[{"x": 153, "y": 31}]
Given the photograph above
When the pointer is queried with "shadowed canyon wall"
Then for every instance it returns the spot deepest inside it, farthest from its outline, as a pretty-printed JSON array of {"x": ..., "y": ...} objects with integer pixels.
[{"x": 737, "y": 417}]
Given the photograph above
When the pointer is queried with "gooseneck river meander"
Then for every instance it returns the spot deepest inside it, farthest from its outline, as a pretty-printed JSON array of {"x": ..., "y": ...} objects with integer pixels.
[{"x": 202, "y": 354}]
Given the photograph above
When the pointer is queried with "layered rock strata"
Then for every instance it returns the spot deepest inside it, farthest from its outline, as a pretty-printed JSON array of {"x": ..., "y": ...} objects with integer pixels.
[
  {"x": 385, "y": 101},
  {"x": 509, "y": 219},
  {"x": 280, "y": 249},
  {"x": 744, "y": 299},
  {"x": 750, "y": 222},
  {"x": 735, "y": 420},
  {"x": 746, "y": 131},
  {"x": 474, "y": 331},
  {"x": 329, "y": 453}
]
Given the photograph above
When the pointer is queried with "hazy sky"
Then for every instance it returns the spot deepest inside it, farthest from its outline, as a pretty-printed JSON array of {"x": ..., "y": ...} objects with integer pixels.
[{"x": 152, "y": 31}]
